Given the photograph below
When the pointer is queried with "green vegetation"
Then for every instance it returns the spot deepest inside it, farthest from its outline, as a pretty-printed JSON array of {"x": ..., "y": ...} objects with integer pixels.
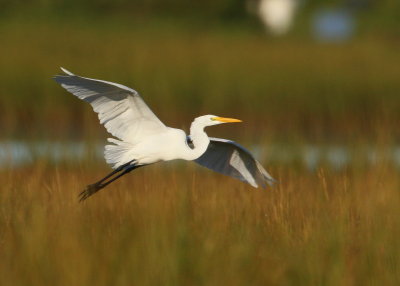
[{"x": 295, "y": 89}]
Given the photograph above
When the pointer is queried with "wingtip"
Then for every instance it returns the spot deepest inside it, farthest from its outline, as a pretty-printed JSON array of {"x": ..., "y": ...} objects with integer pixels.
[
  {"x": 66, "y": 71},
  {"x": 268, "y": 183},
  {"x": 272, "y": 182}
]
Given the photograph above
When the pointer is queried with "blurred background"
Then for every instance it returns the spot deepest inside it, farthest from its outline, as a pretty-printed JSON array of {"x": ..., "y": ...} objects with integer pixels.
[
  {"x": 305, "y": 73},
  {"x": 317, "y": 84}
]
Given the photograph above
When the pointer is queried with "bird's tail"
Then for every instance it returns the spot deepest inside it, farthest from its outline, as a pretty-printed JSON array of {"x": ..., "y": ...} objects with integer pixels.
[{"x": 117, "y": 154}]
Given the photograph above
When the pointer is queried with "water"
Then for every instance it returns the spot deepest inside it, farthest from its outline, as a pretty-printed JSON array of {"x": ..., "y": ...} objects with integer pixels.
[
  {"x": 19, "y": 153},
  {"x": 333, "y": 25},
  {"x": 15, "y": 154}
]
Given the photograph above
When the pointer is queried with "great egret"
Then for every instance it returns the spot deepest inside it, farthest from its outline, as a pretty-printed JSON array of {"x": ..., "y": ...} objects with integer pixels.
[{"x": 144, "y": 139}]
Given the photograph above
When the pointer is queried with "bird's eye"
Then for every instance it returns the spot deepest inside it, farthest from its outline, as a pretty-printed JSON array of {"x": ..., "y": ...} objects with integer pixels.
[{"x": 212, "y": 119}]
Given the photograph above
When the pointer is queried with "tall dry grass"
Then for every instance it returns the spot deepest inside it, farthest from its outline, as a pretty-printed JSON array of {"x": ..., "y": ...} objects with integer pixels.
[{"x": 182, "y": 225}]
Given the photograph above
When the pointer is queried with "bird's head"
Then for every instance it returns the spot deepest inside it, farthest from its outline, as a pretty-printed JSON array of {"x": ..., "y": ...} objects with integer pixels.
[{"x": 210, "y": 120}]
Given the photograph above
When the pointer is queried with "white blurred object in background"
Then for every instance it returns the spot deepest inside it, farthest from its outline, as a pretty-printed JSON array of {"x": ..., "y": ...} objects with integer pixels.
[{"x": 277, "y": 15}]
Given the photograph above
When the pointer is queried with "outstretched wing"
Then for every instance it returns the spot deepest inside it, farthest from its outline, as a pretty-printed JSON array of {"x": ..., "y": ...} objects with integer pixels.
[
  {"x": 120, "y": 109},
  {"x": 229, "y": 158}
]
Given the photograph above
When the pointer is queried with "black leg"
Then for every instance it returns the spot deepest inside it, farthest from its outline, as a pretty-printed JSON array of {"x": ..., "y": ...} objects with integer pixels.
[
  {"x": 94, "y": 188},
  {"x": 119, "y": 169}
]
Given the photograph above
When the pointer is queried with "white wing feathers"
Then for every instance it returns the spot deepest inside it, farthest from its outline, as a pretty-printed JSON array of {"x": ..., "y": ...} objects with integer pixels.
[
  {"x": 121, "y": 109},
  {"x": 229, "y": 158}
]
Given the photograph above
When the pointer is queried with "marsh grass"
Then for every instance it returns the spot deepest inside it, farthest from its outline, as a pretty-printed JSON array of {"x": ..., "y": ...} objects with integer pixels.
[{"x": 182, "y": 225}]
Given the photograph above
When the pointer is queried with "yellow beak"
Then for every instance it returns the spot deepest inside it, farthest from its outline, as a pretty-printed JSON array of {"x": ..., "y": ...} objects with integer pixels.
[{"x": 227, "y": 120}]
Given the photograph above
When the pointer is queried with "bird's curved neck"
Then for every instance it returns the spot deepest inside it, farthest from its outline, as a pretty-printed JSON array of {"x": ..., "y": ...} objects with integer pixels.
[{"x": 200, "y": 140}]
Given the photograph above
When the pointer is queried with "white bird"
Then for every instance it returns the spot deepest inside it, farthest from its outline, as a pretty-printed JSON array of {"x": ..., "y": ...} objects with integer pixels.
[{"x": 143, "y": 139}]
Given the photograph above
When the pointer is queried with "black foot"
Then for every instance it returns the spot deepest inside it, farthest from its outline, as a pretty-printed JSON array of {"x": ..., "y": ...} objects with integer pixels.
[{"x": 90, "y": 190}]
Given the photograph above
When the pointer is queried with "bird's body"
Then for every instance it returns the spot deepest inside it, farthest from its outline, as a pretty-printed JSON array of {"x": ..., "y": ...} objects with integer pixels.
[
  {"x": 143, "y": 139},
  {"x": 151, "y": 149}
]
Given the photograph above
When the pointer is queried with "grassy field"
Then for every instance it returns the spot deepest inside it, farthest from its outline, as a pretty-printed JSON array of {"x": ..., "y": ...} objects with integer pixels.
[
  {"x": 182, "y": 225},
  {"x": 178, "y": 224}
]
